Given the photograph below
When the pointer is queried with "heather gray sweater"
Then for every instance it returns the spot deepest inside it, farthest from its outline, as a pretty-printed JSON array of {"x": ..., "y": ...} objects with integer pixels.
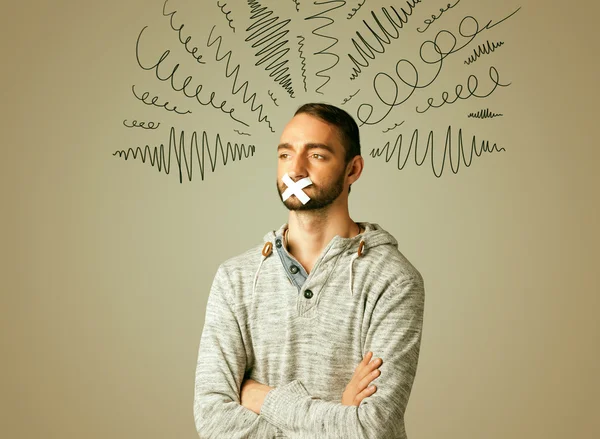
[{"x": 306, "y": 339}]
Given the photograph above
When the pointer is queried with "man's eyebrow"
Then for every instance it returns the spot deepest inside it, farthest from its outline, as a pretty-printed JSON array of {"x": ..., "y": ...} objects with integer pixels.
[{"x": 309, "y": 146}]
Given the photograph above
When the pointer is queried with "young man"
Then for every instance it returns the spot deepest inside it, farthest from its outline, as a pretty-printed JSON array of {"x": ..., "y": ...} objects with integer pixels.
[{"x": 288, "y": 321}]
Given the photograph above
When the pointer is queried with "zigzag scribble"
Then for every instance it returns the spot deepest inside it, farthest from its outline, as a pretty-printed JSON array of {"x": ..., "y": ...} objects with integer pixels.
[
  {"x": 302, "y": 59},
  {"x": 322, "y": 15},
  {"x": 235, "y": 72},
  {"x": 483, "y": 49},
  {"x": 414, "y": 141},
  {"x": 268, "y": 32},
  {"x": 156, "y": 155}
]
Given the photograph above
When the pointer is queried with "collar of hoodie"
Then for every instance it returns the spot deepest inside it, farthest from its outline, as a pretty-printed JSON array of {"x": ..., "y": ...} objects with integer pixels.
[{"x": 353, "y": 248}]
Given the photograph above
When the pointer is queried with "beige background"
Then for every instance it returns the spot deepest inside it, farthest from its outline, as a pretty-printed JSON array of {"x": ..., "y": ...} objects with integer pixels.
[{"x": 107, "y": 263}]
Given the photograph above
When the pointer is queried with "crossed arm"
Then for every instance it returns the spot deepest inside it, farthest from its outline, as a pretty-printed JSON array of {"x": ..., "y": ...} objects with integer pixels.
[{"x": 226, "y": 405}]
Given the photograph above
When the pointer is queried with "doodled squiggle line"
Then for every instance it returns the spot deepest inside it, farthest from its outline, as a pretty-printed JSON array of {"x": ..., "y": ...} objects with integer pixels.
[
  {"x": 156, "y": 155},
  {"x": 226, "y": 15},
  {"x": 297, "y": 2},
  {"x": 349, "y": 97},
  {"x": 241, "y": 133},
  {"x": 153, "y": 102},
  {"x": 136, "y": 124},
  {"x": 235, "y": 73},
  {"x": 396, "y": 125},
  {"x": 367, "y": 50},
  {"x": 178, "y": 30},
  {"x": 268, "y": 33},
  {"x": 483, "y": 49},
  {"x": 302, "y": 59},
  {"x": 414, "y": 141},
  {"x": 186, "y": 82},
  {"x": 355, "y": 10},
  {"x": 322, "y": 15},
  {"x": 484, "y": 114},
  {"x": 273, "y": 98}
]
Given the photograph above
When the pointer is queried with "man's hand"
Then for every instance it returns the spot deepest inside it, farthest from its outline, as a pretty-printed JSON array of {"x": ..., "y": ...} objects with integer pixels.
[
  {"x": 253, "y": 394},
  {"x": 365, "y": 372}
]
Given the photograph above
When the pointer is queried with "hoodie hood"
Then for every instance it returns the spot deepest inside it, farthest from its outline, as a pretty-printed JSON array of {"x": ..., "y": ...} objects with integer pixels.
[{"x": 345, "y": 250}]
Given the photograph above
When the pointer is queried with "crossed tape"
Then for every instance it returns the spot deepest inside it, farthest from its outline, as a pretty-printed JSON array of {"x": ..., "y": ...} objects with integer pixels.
[{"x": 295, "y": 188}]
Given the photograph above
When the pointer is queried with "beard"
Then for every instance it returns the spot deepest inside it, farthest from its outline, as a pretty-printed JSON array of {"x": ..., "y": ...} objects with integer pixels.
[{"x": 320, "y": 197}]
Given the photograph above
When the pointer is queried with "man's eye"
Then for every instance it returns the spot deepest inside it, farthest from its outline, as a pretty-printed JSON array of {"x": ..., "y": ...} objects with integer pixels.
[
  {"x": 282, "y": 155},
  {"x": 318, "y": 155}
]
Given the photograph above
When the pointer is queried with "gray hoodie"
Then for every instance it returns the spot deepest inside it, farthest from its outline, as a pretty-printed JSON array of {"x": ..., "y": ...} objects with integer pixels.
[{"x": 304, "y": 334}]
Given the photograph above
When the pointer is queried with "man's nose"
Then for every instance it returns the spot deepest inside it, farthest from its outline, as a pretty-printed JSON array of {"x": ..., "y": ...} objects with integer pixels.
[{"x": 297, "y": 168}]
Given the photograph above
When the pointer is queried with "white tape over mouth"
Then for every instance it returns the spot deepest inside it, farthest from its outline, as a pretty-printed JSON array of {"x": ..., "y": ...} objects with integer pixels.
[{"x": 295, "y": 188}]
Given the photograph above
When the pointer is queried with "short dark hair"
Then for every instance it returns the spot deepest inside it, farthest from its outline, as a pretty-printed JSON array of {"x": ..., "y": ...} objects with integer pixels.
[{"x": 347, "y": 127}]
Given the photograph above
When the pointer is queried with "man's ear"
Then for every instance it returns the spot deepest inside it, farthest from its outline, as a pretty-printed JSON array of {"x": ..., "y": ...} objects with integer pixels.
[{"x": 354, "y": 168}]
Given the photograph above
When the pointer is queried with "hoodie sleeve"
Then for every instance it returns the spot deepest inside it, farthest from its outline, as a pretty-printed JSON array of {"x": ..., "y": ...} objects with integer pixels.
[
  {"x": 394, "y": 335},
  {"x": 220, "y": 371}
]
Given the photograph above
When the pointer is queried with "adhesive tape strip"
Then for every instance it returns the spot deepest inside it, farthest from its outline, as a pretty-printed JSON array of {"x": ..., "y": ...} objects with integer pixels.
[{"x": 295, "y": 188}]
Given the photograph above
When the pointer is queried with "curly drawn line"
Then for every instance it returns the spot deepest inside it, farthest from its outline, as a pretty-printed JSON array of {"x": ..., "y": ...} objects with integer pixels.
[
  {"x": 485, "y": 147},
  {"x": 156, "y": 155},
  {"x": 350, "y": 97},
  {"x": 235, "y": 72},
  {"x": 481, "y": 50},
  {"x": 153, "y": 102},
  {"x": 226, "y": 15},
  {"x": 273, "y": 98},
  {"x": 355, "y": 10},
  {"x": 365, "y": 110},
  {"x": 322, "y": 15},
  {"x": 367, "y": 51},
  {"x": 396, "y": 125},
  {"x": 297, "y": 2},
  {"x": 186, "y": 82},
  {"x": 241, "y": 133},
  {"x": 136, "y": 124},
  {"x": 429, "y": 21},
  {"x": 472, "y": 84},
  {"x": 178, "y": 30},
  {"x": 268, "y": 33},
  {"x": 484, "y": 114},
  {"x": 302, "y": 59}
]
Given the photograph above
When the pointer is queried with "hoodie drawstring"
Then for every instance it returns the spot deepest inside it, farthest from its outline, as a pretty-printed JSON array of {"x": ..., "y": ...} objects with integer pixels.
[
  {"x": 353, "y": 258},
  {"x": 266, "y": 252}
]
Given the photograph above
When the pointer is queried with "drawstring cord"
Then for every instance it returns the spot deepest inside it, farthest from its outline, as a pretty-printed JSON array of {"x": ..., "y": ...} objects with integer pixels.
[
  {"x": 353, "y": 258},
  {"x": 266, "y": 252}
]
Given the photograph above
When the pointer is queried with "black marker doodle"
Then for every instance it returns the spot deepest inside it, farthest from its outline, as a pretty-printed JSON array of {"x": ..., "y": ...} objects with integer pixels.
[
  {"x": 365, "y": 111},
  {"x": 367, "y": 50},
  {"x": 472, "y": 84},
  {"x": 226, "y": 14},
  {"x": 186, "y": 82},
  {"x": 414, "y": 141},
  {"x": 483, "y": 50},
  {"x": 156, "y": 155},
  {"x": 428, "y": 21},
  {"x": 484, "y": 114},
  {"x": 241, "y": 133},
  {"x": 235, "y": 73},
  {"x": 322, "y": 16},
  {"x": 268, "y": 33},
  {"x": 396, "y": 125},
  {"x": 154, "y": 100},
  {"x": 178, "y": 30},
  {"x": 273, "y": 98},
  {"x": 297, "y": 2},
  {"x": 356, "y": 9},
  {"x": 350, "y": 97},
  {"x": 136, "y": 124},
  {"x": 302, "y": 59}
]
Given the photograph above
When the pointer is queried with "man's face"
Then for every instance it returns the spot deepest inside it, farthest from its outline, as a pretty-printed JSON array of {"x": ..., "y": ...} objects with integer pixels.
[{"x": 311, "y": 148}]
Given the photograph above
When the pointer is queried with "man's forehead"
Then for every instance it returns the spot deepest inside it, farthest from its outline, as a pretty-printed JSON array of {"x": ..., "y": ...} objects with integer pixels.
[{"x": 306, "y": 129}]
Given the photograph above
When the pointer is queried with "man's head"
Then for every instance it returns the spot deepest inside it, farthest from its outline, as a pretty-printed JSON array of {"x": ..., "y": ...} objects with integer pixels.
[{"x": 321, "y": 142}]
